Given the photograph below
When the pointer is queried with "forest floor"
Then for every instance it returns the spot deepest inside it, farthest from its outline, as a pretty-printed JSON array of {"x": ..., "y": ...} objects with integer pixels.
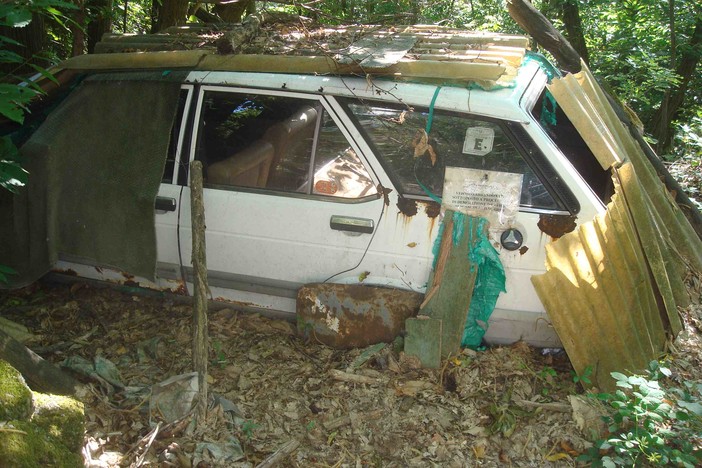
[{"x": 513, "y": 406}]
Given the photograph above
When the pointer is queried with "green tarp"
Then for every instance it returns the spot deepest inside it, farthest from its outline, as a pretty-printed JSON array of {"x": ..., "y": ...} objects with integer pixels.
[{"x": 95, "y": 166}]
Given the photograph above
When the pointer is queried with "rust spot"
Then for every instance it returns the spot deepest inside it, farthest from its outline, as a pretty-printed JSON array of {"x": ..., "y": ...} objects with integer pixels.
[
  {"x": 133, "y": 284},
  {"x": 349, "y": 316},
  {"x": 385, "y": 193},
  {"x": 556, "y": 225},
  {"x": 127, "y": 276},
  {"x": 407, "y": 207},
  {"x": 432, "y": 209},
  {"x": 523, "y": 250},
  {"x": 234, "y": 303},
  {"x": 67, "y": 271},
  {"x": 180, "y": 290}
]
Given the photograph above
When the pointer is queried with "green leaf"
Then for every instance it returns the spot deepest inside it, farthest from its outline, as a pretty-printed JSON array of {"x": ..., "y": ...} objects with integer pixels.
[
  {"x": 691, "y": 406},
  {"x": 8, "y": 150},
  {"x": 13, "y": 101},
  {"x": 18, "y": 18},
  {"x": 7, "y": 56},
  {"x": 12, "y": 175},
  {"x": 7, "y": 270},
  {"x": 7, "y": 40},
  {"x": 45, "y": 73}
]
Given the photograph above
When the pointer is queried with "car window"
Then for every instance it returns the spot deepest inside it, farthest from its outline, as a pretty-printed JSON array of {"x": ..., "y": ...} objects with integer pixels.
[
  {"x": 277, "y": 143},
  {"x": 548, "y": 114},
  {"x": 175, "y": 144},
  {"x": 417, "y": 161}
]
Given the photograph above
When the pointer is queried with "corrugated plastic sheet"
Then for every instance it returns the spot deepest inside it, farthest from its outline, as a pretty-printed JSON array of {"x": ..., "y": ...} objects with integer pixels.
[{"x": 613, "y": 286}]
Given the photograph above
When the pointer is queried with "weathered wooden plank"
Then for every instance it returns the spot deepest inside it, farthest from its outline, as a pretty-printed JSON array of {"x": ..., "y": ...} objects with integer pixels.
[
  {"x": 423, "y": 340},
  {"x": 207, "y": 60},
  {"x": 451, "y": 284}
]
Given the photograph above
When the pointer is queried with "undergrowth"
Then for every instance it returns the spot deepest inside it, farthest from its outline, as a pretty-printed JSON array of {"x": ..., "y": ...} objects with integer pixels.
[{"x": 652, "y": 421}]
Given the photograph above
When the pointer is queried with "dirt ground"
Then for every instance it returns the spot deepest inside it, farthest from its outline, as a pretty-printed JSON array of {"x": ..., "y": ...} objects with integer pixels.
[{"x": 320, "y": 407}]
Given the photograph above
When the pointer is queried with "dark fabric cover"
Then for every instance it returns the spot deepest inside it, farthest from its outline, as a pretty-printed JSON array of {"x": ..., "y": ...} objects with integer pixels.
[{"x": 95, "y": 167}]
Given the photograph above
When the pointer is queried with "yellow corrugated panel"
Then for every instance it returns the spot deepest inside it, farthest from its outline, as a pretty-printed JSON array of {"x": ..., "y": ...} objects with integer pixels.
[
  {"x": 588, "y": 120},
  {"x": 600, "y": 295},
  {"x": 586, "y": 105}
]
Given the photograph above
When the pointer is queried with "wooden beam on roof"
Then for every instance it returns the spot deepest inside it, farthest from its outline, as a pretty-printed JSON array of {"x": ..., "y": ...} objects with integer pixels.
[{"x": 320, "y": 64}]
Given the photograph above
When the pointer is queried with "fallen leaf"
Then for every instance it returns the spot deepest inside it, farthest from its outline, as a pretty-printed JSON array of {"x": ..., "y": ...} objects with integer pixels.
[
  {"x": 421, "y": 146},
  {"x": 412, "y": 245},
  {"x": 557, "y": 456}
]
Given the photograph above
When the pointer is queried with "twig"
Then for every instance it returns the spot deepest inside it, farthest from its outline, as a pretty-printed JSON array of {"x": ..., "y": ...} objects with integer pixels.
[
  {"x": 152, "y": 437},
  {"x": 559, "y": 407},
  {"x": 14, "y": 431},
  {"x": 353, "y": 378},
  {"x": 279, "y": 455}
]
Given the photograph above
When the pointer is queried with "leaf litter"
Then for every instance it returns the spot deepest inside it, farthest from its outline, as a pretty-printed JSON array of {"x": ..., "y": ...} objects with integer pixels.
[{"x": 277, "y": 400}]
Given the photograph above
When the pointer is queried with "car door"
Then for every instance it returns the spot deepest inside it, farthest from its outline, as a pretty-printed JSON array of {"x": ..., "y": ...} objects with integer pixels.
[
  {"x": 288, "y": 197},
  {"x": 394, "y": 131}
]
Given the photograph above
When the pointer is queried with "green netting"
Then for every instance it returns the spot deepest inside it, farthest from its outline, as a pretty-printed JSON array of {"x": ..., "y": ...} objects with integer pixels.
[
  {"x": 489, "y": 283},
  {"x": 490, "y": 277},
  {"x": 95, "y": 166},
  {"x": 548, "y": 68}
]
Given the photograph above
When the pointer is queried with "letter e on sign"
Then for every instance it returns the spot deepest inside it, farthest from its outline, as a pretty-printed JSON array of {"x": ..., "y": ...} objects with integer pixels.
[{"x": 478, "y": 141}]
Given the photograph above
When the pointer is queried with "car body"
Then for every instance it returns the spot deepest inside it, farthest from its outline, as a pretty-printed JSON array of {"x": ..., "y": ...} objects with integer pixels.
[
  {"x": 335, "y": 177},
  {"x": 315, "y": 178}
]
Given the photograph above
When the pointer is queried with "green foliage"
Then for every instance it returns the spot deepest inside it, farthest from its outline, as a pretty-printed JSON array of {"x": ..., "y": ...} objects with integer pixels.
[
  {"x": 248, "y": 428},
  {"x": 584, "y": 378},
  {"x": 650, "y": 423},
  {"x": 220, "y": 357},
  {"x": 686, "y": 157}
]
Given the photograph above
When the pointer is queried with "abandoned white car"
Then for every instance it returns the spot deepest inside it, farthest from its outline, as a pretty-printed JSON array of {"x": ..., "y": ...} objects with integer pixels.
[{"x": 313, "y": 173}]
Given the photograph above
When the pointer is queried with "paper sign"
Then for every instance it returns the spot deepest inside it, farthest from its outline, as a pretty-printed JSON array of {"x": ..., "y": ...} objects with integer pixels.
[
  {"x": 489, "y": 194},
  {"x": 478, "y": 141}
]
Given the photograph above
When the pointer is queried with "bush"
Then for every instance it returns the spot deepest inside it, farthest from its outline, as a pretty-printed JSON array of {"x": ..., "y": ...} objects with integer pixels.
[{"x": 650, "y": 424}]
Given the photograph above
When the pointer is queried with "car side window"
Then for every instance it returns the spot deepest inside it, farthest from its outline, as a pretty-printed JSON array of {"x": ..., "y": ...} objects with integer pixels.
[
  {"x": 277, "y": 143},
  {"x": 417, "y": 160},
  {"x": 175, "y": 144}
]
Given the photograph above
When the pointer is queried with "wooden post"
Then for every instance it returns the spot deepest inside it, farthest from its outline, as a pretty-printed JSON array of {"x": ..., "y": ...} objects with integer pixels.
[{"x": 199, "y": 260}]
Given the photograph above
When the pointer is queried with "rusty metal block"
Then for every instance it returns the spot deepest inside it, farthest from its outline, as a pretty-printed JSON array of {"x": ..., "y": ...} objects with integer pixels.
[{"x": 353, "y": 315}]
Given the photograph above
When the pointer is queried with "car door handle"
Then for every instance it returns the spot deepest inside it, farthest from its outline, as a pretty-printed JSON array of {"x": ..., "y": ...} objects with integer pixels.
[
  {"x": 351, "y": 224},
  {"x": 165, "y": 204}
]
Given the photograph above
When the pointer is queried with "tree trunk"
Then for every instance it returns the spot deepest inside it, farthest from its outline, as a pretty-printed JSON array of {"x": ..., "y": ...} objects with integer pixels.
[
  {"x": 536, "y": 24},
  {"x": 233, "y": 12},
  {"x": 100, "y": 21},
  {"x": 173, "y": 13},
  {"x": 674, "y": 98},
  {"x": 199, "y": 260},
  {"x": 78, "y": 29},
  {"x": 574, "y": 28},
  {"x": 32, "y": 39}
]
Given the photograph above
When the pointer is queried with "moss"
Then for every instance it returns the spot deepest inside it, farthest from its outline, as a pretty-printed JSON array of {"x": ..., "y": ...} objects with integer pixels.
[
  {"x": 61, "y": 417},
  {"x": 15, "y": 396},
  {"x": 26, "y": 445}
]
